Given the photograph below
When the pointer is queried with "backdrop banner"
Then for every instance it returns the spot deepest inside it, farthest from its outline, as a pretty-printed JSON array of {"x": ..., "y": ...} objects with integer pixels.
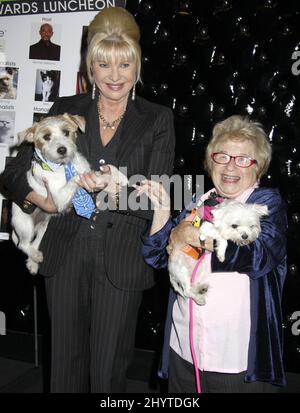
[{"x": 34, "y": 72}]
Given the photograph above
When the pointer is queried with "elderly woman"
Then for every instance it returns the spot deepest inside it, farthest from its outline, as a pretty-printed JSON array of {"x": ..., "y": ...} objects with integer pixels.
[
  {"x": 237, "y": 333},
  {"x": 93, "y": 268}
]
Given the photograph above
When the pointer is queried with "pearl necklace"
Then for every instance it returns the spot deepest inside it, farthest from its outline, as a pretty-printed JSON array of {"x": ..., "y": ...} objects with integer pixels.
[{"x": 106, "y": 124}]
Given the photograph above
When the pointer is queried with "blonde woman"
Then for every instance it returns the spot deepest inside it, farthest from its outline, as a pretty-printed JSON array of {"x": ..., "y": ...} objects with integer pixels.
[{"x": 94, "y": 270}]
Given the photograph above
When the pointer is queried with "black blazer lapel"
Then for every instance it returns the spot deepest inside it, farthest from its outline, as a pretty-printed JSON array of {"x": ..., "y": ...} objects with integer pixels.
[
  {"x": 83, "y": 138},
  {"x": 135, "y": 123}
]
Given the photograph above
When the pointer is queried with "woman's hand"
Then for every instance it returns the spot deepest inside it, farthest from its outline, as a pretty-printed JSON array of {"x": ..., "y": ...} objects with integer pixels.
[
  {"x": 49, "y": 205},
  {"x": 208, "y": 244},
  {"x": 46, "y": 204},
  {"x": 156, "y": 193},
  {"x": 185, "y": 233},
  {"x": 96, "y": 181},
  {"x": 160, "y": 200}
]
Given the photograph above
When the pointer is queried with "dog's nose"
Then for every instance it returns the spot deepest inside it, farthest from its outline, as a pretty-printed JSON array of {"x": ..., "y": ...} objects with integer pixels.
[
  {"x": 62, "y": 150},
  {"x": 244, "y": 236}
]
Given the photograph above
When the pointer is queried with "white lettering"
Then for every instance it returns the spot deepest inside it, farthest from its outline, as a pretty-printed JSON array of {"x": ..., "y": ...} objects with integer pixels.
[
  {"x": 73, "y": 8},
  {"x": 101, "y": 4},
  {"x": 295, "y": 66},
  {"x": 296, "y": 325},
  {"x": 18, "y": 8},
  {"x": 2, "y": 324},
  {"x": 110, "y": 3}
]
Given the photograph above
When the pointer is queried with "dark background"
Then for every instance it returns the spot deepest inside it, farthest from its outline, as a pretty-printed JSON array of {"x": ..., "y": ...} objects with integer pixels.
[{"x": 207, "y": 60}]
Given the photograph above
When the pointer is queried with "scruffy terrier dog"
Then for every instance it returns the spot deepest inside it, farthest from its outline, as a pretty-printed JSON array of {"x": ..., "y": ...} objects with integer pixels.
[
  {"x": 232, "y": 221},
  {"x": 7, "y": 89},
  {"x": 54, "y": 139}
]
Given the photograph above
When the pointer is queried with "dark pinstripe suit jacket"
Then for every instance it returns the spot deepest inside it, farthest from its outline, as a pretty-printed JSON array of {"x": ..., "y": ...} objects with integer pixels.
[{"x": 146, "y": 147}]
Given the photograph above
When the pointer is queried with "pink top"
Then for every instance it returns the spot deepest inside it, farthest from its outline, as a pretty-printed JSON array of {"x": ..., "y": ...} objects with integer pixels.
[{"x": 222, "y": 325}]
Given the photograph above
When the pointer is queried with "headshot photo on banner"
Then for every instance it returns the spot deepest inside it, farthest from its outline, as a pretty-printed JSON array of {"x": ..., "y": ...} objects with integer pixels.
[{"x": 150, "y": 197}]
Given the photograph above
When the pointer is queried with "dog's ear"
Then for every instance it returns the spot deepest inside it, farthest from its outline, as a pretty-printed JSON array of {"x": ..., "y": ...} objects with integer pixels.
[
  {"x": 261, "y": 210},
  {"x": 26, "y": 135},
  {"x": 79, "y": 121}
]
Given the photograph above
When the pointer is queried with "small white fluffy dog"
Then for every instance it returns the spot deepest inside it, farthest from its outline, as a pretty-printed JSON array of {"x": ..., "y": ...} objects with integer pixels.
[
  {"x": 55, "y": 139},
  {"x": 232, "y": 220}
]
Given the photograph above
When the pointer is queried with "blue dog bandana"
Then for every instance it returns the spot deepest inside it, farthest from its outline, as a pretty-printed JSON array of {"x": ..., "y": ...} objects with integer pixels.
[{"x": 82, "y": 201}]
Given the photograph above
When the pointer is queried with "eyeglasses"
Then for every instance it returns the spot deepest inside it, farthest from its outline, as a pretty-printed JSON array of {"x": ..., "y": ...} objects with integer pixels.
[{"x": 224, "y": 159}]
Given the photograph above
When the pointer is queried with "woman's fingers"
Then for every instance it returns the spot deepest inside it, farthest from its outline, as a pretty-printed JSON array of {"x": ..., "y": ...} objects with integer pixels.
[
  {"x": 86, "y": 182},
  {"x": 184, "y": 233},
  {"x": 92, "y": 181},
  {"x": 151, "y": 194},
  {"x": 49, "y": 205},
  {"x": 105, "y": 169},
  {"x": 156, "y": 192}
]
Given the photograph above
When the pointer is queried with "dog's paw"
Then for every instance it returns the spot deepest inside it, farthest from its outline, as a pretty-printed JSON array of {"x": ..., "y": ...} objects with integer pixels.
[
  {"x": 32, "y": 266},
  {"x": 199, "y": 299},
  {"x": 221, "y": 257},
  {"x": 36, "y": 255},
  {"x": 122, "y": 179}
]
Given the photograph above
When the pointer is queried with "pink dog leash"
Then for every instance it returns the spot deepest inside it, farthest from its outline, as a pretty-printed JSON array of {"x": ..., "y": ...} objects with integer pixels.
[
  {"x": 205, "y": 212},
  {"x": 191, "y": 322}
]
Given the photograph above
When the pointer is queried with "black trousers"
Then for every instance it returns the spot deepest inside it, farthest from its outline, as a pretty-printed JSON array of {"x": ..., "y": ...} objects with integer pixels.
[
  {"x": 92, "y": 324},
  {"x": 182, "y": 380}
]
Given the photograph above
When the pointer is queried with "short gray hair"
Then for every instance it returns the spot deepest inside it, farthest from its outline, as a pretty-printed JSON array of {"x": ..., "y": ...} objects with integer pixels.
[{"x": 241, "y": 128}]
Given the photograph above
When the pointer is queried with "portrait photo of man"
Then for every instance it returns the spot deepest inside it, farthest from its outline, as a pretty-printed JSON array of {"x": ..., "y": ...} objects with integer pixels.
[{"x": 44, "y": 49}]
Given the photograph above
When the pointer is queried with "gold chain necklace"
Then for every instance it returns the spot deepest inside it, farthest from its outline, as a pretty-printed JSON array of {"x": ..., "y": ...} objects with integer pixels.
[{"x": 106, "y": 124}]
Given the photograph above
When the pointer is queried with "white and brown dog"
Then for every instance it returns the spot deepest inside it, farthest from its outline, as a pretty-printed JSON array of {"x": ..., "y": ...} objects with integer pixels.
[{"x": 54, "y": 139}]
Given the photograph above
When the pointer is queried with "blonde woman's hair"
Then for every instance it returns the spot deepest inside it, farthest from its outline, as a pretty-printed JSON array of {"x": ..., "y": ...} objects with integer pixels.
[
  {"x": 113, "y": 30},
  {"x": 238, "y": 128}
]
